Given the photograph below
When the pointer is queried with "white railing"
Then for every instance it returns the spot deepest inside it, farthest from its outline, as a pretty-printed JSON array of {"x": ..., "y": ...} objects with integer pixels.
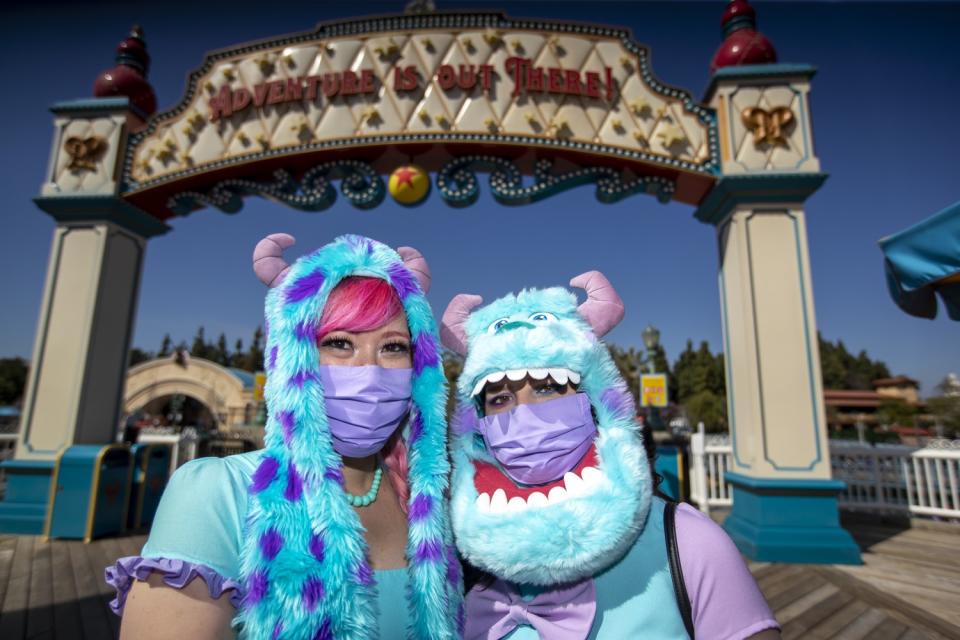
[
  {"x": 932, "y": 490},
  {"x": 873, "y": 474},
  {"x": 710, "y": 459},
  {"x": 883, "y": 478}
]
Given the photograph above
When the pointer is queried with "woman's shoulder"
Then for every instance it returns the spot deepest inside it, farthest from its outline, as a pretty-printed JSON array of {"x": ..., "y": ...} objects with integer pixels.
[
  {"x": 725, "y": 599},
  {"x": 234, "y": 470},
  {"x": 202, "y": 513}
]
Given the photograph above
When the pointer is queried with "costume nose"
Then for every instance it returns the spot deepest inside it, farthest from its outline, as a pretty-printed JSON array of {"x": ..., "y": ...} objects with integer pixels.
[{"x": 517, "y": 324}]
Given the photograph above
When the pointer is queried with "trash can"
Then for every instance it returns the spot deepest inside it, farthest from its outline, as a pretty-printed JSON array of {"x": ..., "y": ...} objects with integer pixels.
[
  {"x": 91, "y": 492},
  {"x": 151, "y": 470},
  {"x": 670, "y": 464}
]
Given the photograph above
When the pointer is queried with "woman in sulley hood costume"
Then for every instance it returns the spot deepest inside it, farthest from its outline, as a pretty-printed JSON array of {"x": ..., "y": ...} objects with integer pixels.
[
  {"x": 277, "y": 528},
  {"x": 552, "y": 492}
]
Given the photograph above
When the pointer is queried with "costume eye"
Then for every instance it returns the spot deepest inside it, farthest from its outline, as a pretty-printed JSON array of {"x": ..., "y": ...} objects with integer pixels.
[
  {"x": 542, "y": 316},
  {"x": 496, "y": 324}
]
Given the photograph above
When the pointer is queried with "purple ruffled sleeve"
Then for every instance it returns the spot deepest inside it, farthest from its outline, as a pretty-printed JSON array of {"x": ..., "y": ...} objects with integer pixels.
[{"x": 176, "y": 573}]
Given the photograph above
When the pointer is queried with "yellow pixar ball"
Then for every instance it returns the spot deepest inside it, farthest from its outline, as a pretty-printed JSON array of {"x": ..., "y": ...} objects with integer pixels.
[{"x": 409, "y": 184}]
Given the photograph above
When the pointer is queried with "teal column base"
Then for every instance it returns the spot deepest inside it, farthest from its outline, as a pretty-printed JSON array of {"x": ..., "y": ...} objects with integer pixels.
[
  {"x": 795, "y": 521},
  {"x": 24, "y": 506}
]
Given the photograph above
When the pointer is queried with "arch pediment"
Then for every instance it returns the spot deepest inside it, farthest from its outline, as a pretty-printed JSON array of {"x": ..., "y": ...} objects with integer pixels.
[{"x": 435, "y": 87}]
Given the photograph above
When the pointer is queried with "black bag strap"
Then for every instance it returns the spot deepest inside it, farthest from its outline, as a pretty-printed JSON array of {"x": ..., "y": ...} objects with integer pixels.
[{"x": 676, "y": 571}]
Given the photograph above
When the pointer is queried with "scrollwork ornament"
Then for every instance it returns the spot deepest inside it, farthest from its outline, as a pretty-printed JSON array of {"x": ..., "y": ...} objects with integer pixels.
[
  {"x": 459, "y": 186},
  {"x": 359, "y": 183}
]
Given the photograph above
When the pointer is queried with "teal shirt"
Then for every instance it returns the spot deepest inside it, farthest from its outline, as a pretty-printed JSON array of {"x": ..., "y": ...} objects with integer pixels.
[
  {"x": 201, "y": 520},
  {"x": 635, "y": 597}
]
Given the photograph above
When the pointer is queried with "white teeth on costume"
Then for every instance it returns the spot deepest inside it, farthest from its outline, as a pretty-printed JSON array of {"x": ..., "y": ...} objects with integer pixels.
[
  {"x": 517, "y": 504},
  {"x": 537, "y": 499},
  {"x": 591, "y": 477},
  {"x": 496, "y": 376},
  {"x": 588, "y": 481},
  {"x": 574, "y": 484},
  {"x": 483, "y": 502},
  {"x": 498, "y": 504},
  {"x": 560, "y": 375}
]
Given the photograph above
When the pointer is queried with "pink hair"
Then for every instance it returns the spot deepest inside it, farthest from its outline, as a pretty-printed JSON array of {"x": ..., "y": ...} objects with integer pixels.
[
  {"x": 359, "y": 304},
  {"x": 363, "y": 304}
]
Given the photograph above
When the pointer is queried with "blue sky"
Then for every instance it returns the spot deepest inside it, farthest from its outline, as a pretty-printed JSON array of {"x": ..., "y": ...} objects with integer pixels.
[{"x": 884, "y": 103}]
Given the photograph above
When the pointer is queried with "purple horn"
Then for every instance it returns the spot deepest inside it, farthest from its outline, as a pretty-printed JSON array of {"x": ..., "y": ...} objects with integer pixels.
[
  {"x": 417, "y": 264},
  {"x": 268, "y": 262},
  {"x": 453, "y": 332},
  {"x": 603, "y": 308}
]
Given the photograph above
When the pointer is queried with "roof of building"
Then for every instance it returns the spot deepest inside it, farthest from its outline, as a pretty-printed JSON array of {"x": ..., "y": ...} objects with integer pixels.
[{"x": 895, "y": 381}]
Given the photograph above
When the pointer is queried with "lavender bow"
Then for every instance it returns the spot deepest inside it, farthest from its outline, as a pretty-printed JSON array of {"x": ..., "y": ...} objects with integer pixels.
[{"x": 561, "y": 614}]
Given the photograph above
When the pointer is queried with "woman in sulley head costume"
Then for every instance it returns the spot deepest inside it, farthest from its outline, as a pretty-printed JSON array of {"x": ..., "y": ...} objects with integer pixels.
[
  {"x": 552, "y": 495},
  {"x": 303, "y": 536}
]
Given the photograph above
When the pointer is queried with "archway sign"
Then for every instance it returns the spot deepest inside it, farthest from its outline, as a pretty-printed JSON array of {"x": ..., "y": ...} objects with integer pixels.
[{"x": 538, "y": 106}]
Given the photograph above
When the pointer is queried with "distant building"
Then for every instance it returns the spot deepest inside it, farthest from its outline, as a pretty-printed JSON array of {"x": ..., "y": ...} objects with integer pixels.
[{"x": 846, "y": 407}]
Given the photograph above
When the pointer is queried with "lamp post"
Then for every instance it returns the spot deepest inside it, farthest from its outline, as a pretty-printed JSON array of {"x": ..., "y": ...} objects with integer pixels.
[{"x": 651, "y": 340}]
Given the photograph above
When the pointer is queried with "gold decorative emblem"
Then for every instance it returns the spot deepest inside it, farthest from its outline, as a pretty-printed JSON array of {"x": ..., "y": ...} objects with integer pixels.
[
  {"x": 84, "y": 152},
  {"x": 768, "y": 126}
]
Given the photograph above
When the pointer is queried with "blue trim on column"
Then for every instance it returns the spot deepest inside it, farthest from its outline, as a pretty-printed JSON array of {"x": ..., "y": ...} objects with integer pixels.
[
  {"x": 766, "y": 189},
  {"x": 102, "y": 208},
  {"x": 757, "y": 73},
  {"x": 24, "y": 506},
  {"x": 793, "y": 521},
  {"x": 96, "y": 106}
]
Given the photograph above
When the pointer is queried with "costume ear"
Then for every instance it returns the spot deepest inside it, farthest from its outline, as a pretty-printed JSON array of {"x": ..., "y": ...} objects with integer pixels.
[
  {"x": 603, "y": 308},
  {"x": 417, "y": 264},
  {"x": 268, "y": 262},
  {"x": 453, "y": 330}
]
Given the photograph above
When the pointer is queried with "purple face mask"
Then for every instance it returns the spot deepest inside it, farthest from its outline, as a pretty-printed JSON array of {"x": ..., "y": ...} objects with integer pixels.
[
  {"x": 364, "y": 406},
  {"x": 538, "y": 443}
]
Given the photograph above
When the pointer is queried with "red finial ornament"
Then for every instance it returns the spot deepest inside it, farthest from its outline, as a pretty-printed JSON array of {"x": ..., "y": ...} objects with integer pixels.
[
  {"x": 129, "y": 76},
  {"x": 742, "y": 43}
]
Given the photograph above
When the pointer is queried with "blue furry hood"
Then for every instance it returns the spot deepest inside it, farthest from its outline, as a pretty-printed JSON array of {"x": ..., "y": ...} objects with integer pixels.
[
  {"x": 304, "y": 560},
  {"x": 575, "y": 527}
]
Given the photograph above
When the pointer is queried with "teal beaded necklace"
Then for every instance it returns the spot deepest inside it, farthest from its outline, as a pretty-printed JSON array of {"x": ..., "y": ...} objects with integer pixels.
[{"x": 367, "y": 499}]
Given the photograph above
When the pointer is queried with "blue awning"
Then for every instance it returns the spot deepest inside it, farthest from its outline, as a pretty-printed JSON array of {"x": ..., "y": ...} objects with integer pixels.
[{"x": 923, "y": 261}]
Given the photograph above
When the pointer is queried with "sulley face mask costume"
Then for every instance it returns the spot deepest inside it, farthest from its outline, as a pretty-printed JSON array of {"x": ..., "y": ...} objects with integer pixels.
[
  {"x": 304, "y": 559},
  {"x": 525, "y": 507}
]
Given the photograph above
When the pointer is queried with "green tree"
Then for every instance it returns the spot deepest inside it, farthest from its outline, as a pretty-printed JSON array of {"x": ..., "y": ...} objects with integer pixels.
[
  {"x": 137, "y": 355},
  {"x": 237, "y": 357},
  {"x": 628, "y": 363},
  {"x": 709, "y": 408},
  {"x": 896, "y": 412},
  {"x": 166, "y": 347},
  {"x": 842, "y": 370},
  {"x": 200, "y": 347},
  {"x": 221, "y": 355},
  {"x": 698, "y": 370},
  {"x": 255, "y": 352},
  {"x": 13, "y": 379}
]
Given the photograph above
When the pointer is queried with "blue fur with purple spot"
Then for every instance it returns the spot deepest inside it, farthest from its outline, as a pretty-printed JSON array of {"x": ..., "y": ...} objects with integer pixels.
[{"x": 304, "y": 559}]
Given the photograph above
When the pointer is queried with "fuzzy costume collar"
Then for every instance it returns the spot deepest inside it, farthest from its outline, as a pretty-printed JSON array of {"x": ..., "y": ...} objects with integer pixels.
[
  {"x": 577, "y": 527},
  {"x": 304, "y": 560}
]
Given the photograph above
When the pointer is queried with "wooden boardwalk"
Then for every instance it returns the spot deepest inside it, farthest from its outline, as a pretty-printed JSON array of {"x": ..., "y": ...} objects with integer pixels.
[{"x": 908, "y": 588}]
